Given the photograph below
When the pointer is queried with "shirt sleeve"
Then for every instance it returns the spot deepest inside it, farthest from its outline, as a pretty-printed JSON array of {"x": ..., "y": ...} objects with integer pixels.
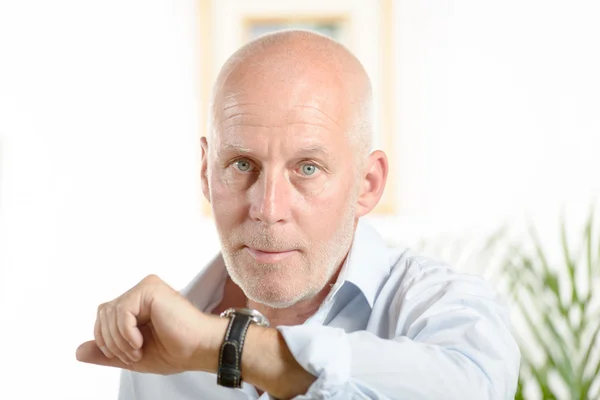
[
  {"x": 449, "y": 337},
  {"x": 126, "y": 388}
]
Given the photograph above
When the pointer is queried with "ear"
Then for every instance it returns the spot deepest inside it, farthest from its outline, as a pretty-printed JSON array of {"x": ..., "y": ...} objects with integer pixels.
[
  {"x": 204, "y": 169},
  {"x": 372, "y": 183}
]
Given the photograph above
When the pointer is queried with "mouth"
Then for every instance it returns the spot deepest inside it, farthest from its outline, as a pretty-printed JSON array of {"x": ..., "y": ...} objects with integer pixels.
[{"x": 268, "y": 256}]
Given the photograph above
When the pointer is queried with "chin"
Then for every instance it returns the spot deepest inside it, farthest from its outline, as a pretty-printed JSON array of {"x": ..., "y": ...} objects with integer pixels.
[
  {"x": 277, "y": 285},
  {"x": 277, "y": 301},
  {"x": 274, "y": 288},
  {"x": 275, "y": 291}
]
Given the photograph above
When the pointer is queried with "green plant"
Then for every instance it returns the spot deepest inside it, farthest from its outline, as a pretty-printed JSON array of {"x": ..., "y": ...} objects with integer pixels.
[{"x": 557, "y": 312}]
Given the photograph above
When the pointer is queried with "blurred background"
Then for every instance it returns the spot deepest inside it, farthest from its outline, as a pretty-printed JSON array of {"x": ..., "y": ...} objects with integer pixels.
[{"x": 489, "y": 111}]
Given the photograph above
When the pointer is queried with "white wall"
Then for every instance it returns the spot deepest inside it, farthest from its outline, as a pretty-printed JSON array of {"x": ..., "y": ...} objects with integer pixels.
[
  {"x": 98, "y": 122},
  {"x": 498, "y": 106},
  {"x": 497, "y": 113}
]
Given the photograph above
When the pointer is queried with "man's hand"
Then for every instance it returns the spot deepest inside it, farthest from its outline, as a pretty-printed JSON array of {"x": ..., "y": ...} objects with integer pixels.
[{"x": 152, "y": 328}]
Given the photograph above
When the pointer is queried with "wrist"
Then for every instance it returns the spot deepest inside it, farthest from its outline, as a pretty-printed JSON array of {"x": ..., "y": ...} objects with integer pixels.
[{"x": 266, "y": 361}]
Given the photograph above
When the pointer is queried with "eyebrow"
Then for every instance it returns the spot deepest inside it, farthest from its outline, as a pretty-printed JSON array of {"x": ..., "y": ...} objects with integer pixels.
[{"x": 305, "y": 151}]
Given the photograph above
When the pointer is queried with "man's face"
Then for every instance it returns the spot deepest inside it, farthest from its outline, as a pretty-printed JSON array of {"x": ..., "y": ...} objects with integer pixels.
[{"x": 283, "y": 187}]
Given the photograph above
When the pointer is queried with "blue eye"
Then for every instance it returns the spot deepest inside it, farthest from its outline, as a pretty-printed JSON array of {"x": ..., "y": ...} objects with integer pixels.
[
  {"x": 309, "y": 169},
  {"x": 243, "y": 165}
]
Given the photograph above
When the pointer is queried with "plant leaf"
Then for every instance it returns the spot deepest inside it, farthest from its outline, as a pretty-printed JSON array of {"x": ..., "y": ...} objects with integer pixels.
[
  {"x": 588, "y": 244},
  {"x": 570, "y": 264},
  {"x": 585, "y": 360},
  {"x": 541, "y": 307},
  {"x": 586, "y": 387}
]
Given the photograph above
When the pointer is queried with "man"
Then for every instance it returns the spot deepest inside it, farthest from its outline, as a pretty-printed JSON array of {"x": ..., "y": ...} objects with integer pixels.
[{"x": 305, "y": 301}]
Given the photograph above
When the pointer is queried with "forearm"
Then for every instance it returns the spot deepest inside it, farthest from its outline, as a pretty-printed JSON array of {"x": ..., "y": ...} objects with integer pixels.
[{"x": 360, "y": 364}]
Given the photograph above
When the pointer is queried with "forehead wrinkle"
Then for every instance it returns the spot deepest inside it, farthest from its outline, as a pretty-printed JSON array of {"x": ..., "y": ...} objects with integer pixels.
[
  {"x": 312, "y": 149},
  {"x": 240, "y": 131},
  {"x": 293, "y": 93},
  {"x": 295, "y": 116},
  {"x": 320, "y": 113},
  {"x": 293, "y": 142},
  {"x": 228, "y": 107},
  {"x": 231, "y": 120}
]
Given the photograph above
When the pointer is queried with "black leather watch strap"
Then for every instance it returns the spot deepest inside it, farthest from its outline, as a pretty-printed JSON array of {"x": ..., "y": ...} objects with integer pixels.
[{"x": 229, "y": 373}]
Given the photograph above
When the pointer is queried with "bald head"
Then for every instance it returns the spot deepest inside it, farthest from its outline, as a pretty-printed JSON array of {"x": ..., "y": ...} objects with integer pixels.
[{"x": 283, "y": 64}]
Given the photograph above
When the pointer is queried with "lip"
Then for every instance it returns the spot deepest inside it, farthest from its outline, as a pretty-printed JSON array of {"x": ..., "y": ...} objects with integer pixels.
[{"x": 268, "y": 257}]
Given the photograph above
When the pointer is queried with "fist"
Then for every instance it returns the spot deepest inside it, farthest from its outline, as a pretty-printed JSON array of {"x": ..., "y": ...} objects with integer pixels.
[{"x": 152, "y": 328}]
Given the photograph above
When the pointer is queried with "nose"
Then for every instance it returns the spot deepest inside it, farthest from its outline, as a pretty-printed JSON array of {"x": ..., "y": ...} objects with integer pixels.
[{"x": 270, "y": 198}]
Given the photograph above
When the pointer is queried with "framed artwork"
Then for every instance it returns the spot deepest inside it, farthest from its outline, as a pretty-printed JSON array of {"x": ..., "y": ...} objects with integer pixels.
[
  {"x": 364, "y": 26},
  {"x": 332, "y": 27}
]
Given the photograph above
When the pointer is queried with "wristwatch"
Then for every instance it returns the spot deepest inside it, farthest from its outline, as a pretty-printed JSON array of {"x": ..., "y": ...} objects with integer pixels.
[{"x": 229, "y": 372}]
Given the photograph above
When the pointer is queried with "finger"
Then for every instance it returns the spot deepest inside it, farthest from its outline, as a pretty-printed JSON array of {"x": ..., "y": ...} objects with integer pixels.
[
  {"x": 90, "y": 353},
  {"x": 121, "y": 343},
  {"x": 98, "y": 335},
  {"x": 127, "y": 324},
  {"x": 105, "y": 321}
]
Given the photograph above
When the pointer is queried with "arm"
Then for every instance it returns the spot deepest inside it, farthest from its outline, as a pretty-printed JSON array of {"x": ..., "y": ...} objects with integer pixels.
[{"x": 448, "y": 338}]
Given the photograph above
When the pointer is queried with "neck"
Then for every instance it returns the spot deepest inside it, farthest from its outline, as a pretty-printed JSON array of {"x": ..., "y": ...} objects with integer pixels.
[{"x": 297, "y": 313}]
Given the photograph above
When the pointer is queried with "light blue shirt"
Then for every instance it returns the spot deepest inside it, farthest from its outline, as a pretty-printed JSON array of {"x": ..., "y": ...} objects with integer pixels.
[{"x": 396, "y": 325}]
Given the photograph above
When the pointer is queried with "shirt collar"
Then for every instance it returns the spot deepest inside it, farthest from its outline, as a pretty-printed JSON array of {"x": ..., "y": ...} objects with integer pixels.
[
  {"x": 206, "y": 289},
  {"x": 368, "y": 263}
]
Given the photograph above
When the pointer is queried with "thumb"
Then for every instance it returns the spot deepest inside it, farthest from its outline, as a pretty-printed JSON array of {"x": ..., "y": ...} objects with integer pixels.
[{"x": 90, "y": 353}]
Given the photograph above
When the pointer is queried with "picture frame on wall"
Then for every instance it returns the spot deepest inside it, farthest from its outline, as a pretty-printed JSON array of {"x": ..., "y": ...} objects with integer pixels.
[
  {"x": 365, "y": 27},
  {"x": 331, "y": 26}
]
